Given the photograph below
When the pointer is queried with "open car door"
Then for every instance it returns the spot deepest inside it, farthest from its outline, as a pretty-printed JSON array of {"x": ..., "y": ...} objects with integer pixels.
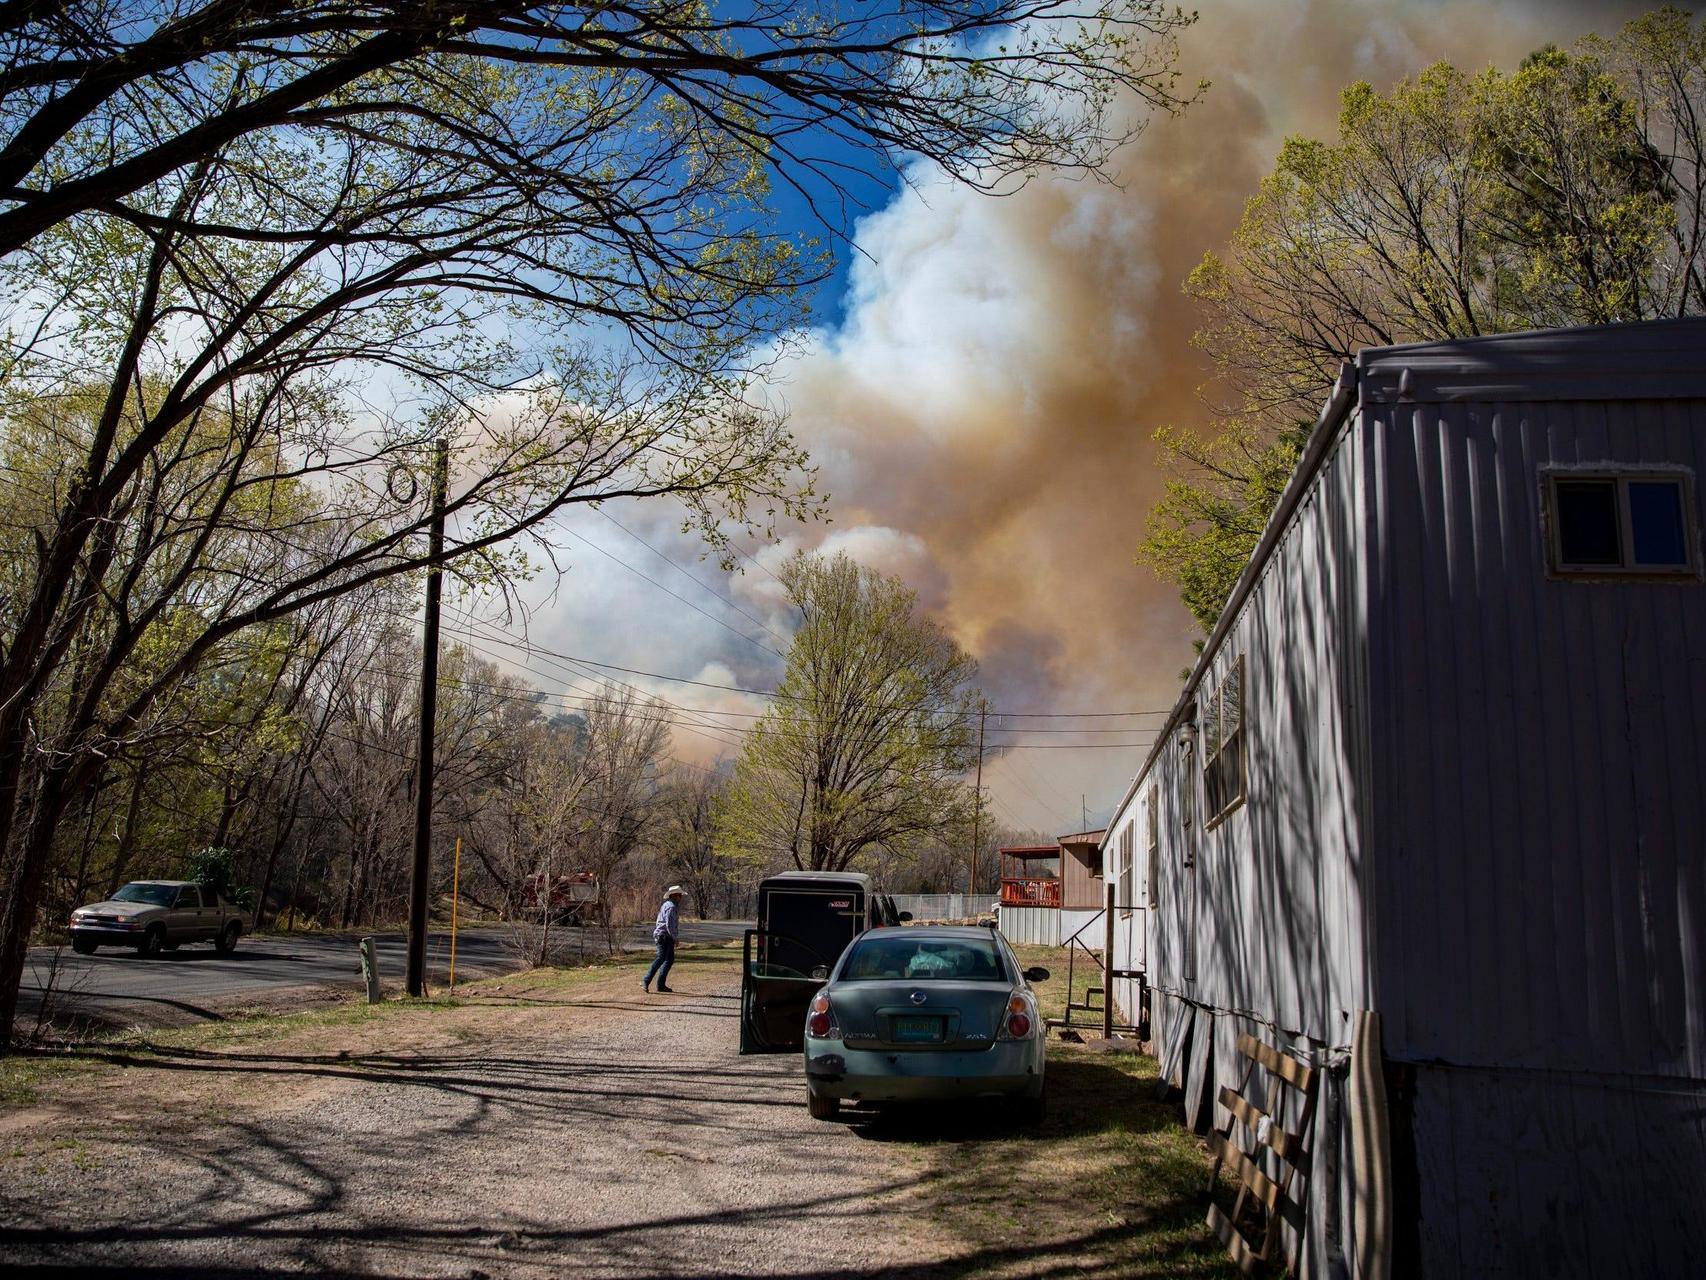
[{"x": 779, "y": 976}]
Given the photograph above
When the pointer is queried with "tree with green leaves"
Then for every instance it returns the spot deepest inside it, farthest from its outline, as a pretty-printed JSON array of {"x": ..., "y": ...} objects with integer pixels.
[
  {"x": 687, "y": 834},
  {"x": 1565, "y": 193},
  {"x": 871, "y": 732}
]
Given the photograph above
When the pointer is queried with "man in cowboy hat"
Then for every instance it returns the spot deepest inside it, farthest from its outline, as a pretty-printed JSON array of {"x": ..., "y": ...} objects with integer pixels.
[{"x": 664, "y": 933}]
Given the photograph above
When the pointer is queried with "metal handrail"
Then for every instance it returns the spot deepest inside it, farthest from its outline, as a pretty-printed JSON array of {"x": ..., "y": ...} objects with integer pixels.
[{"x": 1074, "y": 944}]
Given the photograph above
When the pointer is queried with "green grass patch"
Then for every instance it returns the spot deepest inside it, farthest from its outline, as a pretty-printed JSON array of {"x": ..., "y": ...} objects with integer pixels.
[
  {"x": 23, "y": 1077},
  {"x": 1075, "y": 974}
]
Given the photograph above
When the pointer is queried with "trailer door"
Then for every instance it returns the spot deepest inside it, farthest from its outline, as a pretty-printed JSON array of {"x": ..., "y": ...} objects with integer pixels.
[{"x": 802, "y": 933}]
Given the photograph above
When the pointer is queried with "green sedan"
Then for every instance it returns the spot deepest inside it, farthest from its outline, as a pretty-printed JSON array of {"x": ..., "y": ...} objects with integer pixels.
[{"x": 926, "y": 1012}]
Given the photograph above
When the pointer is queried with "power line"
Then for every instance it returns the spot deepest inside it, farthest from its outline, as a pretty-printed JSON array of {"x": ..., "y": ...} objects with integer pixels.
[
  {"x": 710, "y": 730},
  {"x": 739, "y": 551},
  {"x": 674, "y": 595},
  {"x": 532, "y": 648},
  {"x": 699, "y": 727},
  {"x": 580, "y": 696},
  {"x": 693, "y": 578}
]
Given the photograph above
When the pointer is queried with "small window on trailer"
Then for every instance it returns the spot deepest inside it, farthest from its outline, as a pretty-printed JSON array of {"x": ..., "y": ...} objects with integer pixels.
[
  {"x": 1123, "y": 890},
  {"x": 1608, "y": 522},
  {"x": 1223, "y": 754},
  {"x": 1154, "y": 842}
]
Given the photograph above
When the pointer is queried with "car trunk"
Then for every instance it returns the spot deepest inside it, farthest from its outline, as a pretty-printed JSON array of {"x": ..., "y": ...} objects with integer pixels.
[{"x": 951, "y": 1016}]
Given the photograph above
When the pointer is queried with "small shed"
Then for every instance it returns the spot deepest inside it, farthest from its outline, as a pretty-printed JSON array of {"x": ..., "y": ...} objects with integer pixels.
[{"x": 1429, "y": 818}]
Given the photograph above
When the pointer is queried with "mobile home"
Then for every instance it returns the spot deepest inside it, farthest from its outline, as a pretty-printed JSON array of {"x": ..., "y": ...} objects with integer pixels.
[
  {"x": 1052, "y": 893},
  {"x": 1441, "y": 762}
]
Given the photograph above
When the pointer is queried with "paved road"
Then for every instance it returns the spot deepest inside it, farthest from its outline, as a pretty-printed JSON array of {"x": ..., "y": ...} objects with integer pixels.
[{"x": 192, "y": 983}]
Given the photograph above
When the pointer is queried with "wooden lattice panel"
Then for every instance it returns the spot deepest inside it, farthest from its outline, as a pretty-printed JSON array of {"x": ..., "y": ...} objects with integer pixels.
[{"x": 1263, "y": 1201}]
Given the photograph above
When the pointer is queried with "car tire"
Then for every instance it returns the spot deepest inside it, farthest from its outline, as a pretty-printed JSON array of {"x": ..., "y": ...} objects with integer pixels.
[
  {"x": 822, "y": 1108},
  {"x": 226, "y": 942},
  {"x": 153, "y": 942},
  {"x": 83, "y": 947}
]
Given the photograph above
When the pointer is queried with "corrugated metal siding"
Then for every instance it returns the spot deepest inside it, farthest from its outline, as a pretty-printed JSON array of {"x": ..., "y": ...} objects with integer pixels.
[
  {"x": 1265, "y": 933},
  {"x": 1544, "y": 843},
  {"x": 1031, "y": 926},
  {"x": 1278, "y": 916},
  {"x": 1127, "y": 837},
  {"x": 1524, "y": 1174},
  {"x": 1477, "y": 804},
  {"x": 1049, "y": 926}
]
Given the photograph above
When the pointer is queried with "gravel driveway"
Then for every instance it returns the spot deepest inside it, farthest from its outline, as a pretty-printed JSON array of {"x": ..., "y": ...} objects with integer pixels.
[{"x": 584, "y": 1130}]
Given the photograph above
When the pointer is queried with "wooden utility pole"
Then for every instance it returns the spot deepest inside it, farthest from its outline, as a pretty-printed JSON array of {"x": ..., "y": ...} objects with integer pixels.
[
  {"x": 977, "y": 813},
  {"x": 422, "y": 875},
  {"x": 1108, "y": 966}
]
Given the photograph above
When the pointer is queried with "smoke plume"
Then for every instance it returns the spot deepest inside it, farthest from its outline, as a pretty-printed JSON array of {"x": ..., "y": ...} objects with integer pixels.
[{"x": 983, "y": 413}]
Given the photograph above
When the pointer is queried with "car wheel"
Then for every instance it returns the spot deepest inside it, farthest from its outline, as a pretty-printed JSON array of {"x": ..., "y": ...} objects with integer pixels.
[
  {"x": 83, "y": 947},
  {"x": 153, "y": 942},
  {"x": 226, "y": 942},
  {"x": 822, "y": 1108}
]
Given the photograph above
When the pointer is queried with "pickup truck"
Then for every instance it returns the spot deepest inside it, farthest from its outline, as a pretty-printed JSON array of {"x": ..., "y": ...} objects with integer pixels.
[{"x": 157, "y": 915}]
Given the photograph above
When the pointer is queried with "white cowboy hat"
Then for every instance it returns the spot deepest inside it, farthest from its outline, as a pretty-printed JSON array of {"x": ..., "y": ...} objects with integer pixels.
[{"x": 673, "y": 890}]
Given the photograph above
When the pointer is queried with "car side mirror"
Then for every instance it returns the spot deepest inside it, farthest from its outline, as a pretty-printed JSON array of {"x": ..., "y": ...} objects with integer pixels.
[
  {"x": 820, "y": 974},
  {"x": 904, "y": 916},
  {"x": 1036, "y": 973}
]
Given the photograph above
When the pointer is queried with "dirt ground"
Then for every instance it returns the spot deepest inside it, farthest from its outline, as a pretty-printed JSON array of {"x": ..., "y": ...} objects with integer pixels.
[{"x": 561, "y": 1124}]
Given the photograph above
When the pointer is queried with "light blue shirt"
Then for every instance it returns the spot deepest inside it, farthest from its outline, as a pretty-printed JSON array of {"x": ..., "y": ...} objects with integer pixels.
[{"x": 669, "y": 921}]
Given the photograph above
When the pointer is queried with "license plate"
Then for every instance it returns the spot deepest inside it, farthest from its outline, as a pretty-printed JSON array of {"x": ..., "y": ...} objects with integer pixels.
[{"x": 917, "y": 1030}]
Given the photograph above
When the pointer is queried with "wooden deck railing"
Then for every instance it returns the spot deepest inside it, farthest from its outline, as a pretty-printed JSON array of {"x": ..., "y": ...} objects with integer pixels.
[{"x": 1032, "y": 891}]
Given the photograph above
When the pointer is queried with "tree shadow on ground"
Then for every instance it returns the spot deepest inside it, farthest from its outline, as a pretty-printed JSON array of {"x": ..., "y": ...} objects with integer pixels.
[
  {"x": 1111, "y": 1155},
  {"x": 1086, "y": 1095}
]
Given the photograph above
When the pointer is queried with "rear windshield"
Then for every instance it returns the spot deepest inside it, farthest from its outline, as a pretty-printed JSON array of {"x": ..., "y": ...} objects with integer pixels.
[
  {"x": 159, "y": 895},
  {"x": 923, "y": 960}
]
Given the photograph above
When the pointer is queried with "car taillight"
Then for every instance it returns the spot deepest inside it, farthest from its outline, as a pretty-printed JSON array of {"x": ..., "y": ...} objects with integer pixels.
[
  {"x": 820, "y": 1022},
  {"x": 1016, "y": 1018}
]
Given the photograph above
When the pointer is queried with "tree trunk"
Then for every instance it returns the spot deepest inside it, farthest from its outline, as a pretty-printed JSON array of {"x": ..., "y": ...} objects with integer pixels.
[{"x": 24, "y": 900}]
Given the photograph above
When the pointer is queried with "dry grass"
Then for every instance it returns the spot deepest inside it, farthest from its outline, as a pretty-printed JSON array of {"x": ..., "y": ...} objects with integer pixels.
[{"x": 1109, "y": 1186}]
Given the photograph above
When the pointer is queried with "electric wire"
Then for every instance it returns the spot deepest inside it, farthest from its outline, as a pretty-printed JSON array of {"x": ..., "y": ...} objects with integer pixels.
[{"x": 693, "y": 578}]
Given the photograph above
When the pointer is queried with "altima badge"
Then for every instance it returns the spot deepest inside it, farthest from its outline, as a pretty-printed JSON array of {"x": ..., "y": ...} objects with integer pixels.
[{"x": 918, "y": 997}]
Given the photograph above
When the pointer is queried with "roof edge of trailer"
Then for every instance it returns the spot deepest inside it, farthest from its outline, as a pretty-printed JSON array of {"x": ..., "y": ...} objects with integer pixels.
[
  {"x": 794, "y": 877},
  {"x": 1654, "y": 359},
  {"x": 1321, "y": 437},
  {"x": 1531, "y": 365}
]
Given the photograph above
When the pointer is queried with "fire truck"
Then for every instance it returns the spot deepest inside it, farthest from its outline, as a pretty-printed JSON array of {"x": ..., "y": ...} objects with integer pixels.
[{"x": 571, "y": 897}]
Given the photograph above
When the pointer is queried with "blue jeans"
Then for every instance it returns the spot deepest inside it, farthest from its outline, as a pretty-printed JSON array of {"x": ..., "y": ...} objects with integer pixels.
[{"x": 665, "y": 958}]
